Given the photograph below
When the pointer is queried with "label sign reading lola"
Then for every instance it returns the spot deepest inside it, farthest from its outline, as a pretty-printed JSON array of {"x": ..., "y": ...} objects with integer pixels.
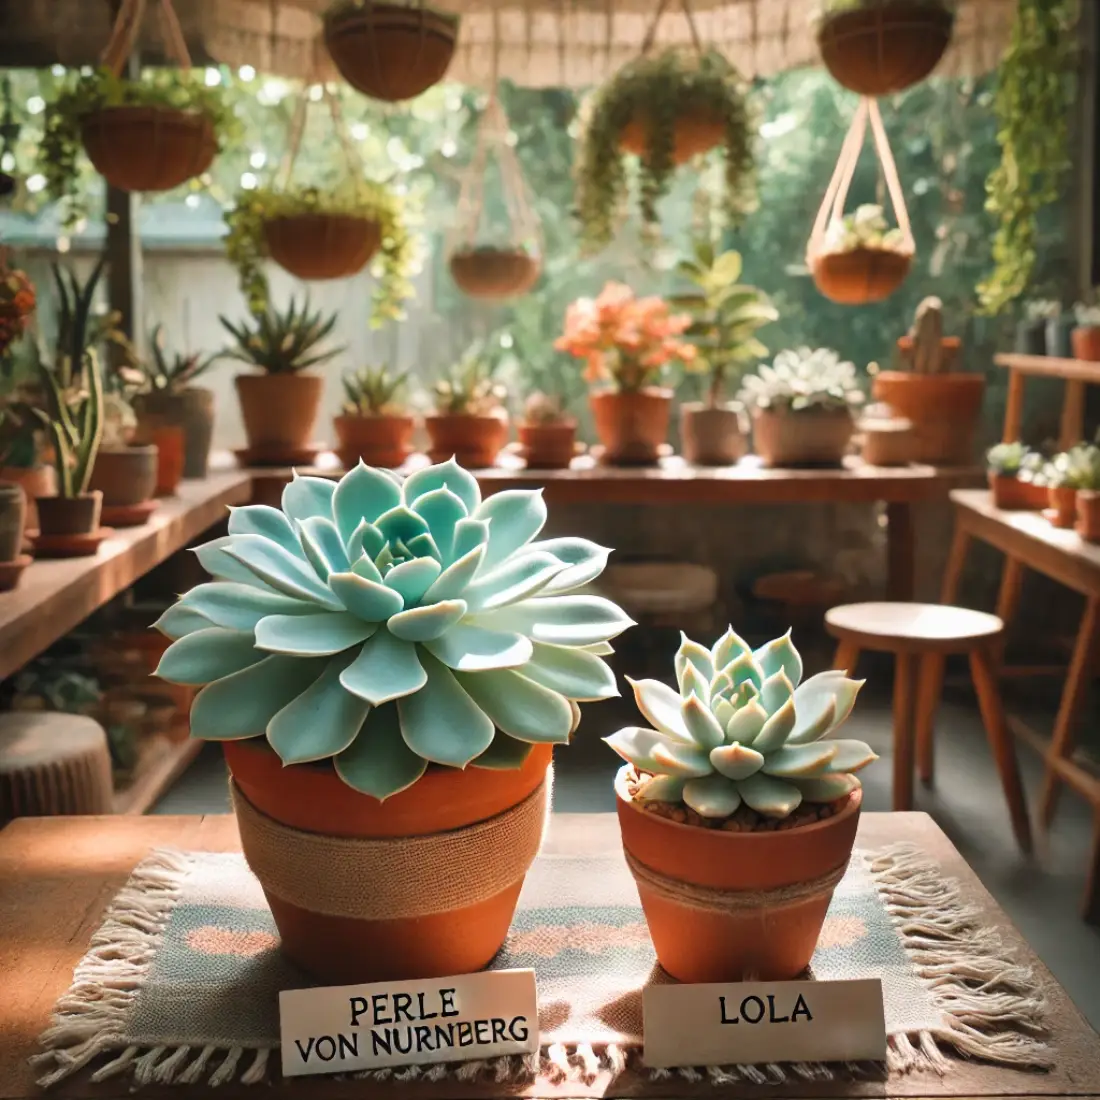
[
  {"x": 356, "y": 1027},
  {"x": 753, "y": 1022}
]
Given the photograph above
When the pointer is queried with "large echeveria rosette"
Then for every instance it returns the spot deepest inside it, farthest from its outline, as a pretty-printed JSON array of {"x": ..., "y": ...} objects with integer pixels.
[{"x": 389, "y": 624}]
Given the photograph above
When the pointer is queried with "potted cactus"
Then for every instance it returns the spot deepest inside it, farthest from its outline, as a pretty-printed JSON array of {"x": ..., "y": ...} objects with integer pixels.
[
  {"x": 802, "y": 408},
  {"x": 1005, "y": 462},
  {"x": 861, "y": 259},
  {"x": 547, "y": 433},
  {"x": 1085, "y": 338},
  {"x": 389, "y": 664},
  {"x": 374, "y": 424},
  {"x": 279, "y": 405},
  {"x": 1031, "y": 329},
  {"x": 737, "y": 813},
  {"x": 1088, "y": 492},
  {"x": 470, "y": 421}
]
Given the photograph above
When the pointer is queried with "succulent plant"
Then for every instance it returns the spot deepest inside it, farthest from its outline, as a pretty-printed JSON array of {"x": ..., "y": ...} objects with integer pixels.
[
  {"x": 390, "y": 624},
  {"x": 544, "y": 408},
  {"x": 282, "y": 341},
  {"x": 1007, "y": 459},
  {"x": 373, "y": 391},
  {"x": 1086, "y": 316},
  {"x": 468, "y": 388},
  {"x": 803, "y": 380},
  {"x": 1077, "y": 468},
  {"x": 743, "y": 729},
  {"x": 865, "y": 227},
  {"x": 171, "y": 372},
  {"x": 1043, "y": 309}
]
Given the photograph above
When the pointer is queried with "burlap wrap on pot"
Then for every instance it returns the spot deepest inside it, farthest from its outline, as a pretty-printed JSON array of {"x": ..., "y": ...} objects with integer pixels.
[{"x": 399, "y": 877}]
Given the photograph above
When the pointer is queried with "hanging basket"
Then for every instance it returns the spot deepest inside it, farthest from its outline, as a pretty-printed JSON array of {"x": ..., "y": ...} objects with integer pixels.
[
  {"x": 495, "y": 274},
  {"x": 322, "y": 246},
  {"x": 694, "y": 133},
  {"x": 861, "y": 275},
  {"x": 884, "y": 46},
  {"x": 391, "y": 52}
]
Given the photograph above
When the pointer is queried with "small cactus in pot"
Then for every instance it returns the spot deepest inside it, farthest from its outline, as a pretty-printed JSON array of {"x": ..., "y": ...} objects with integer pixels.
[{"x": 547, "y": 433}]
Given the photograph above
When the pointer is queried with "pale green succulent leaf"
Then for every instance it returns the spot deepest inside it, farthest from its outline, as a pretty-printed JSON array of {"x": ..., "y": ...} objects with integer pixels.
[
  {"x": 851, "y": 756},
  {"x": 728, "y": 648},
  {"x": 424, "y": 546},
  {"x": 401, "y": 524},
  {"x": 362, "y": 494},
  {"x": 519, "y": 707},
  {"x": 469, "y": 533},
  {"x": 207, "y": 655},
  {"x": 378, "y": 762},
  {"x": 386, "y": 668},
  {"x": 562, "y": 620},
  {"x": 736, "y": 761},
  {"x": 441, "y": 722},
  {"x": 323, "y": 546},
  {"x": 235, "y": 606},
  {"x": 723, "y": 710},
  {"x": 811, "y": 697},
  {"x": 584, "y": 561},
  {"x": 681, "y": 759},
  {"x": 745, "y": 693},
  {"x": 213, "y": 557},
  {"x": 745, "y": 724},
  {"x": 411, "y": 579},
  {"x": 423, "y": 624},
  {"x": 636, "y": 745},
  {"x": 442, "y": 509},
  {"x": 780, "y": 655},
  {"x": 693, "y": 683},
  {"x": 661, "y": 705},
  {"x": 467, "y": 647},
  {"x": 312, "y": 635},
  {"x": 799, "y": 761},
  {"x": 770, "y": 796},
  {"x": 702, "y": 726},
  {"x": 452, "y": 583},
  {"x": 692, "y": 655},
  {"x": 504, "y": 754},
  {"x": 722, "y": 688},
  {"x": 515, "y": 517},
  {"x": 365, "y": 541},
  {"x": 177, "y": 622},
  {"x": 306, "y": 497},
  {"x": 571, "y": 672},
  {"x": 268, "y": 522},
  {"x": 712, "y": 796},
  {"x": 776, "y": 691},
  {"x": 661, "y": 788},
  {"x": 280, "y": 570},
  {"x": 447, "y": 475},
  {"x": 598, "y": 649},
  {"x": 517, "y": 579},
  {"x": 743, "y": 669},
  {"x": 826, "y": 788},
  {"x": 365, "y": 568},
  {"x": 372, "y": 602},
  {"x": 776, "y": 729}
]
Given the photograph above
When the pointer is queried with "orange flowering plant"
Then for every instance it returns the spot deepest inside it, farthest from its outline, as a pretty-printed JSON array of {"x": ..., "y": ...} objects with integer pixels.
[
  {"x": 17, "y": 302},
  {"x": 625, "y": 340}
]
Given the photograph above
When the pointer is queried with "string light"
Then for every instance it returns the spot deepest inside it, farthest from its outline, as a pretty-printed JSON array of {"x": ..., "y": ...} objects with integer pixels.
[
  {"x": 213, "y": 78},
  {"x": 7, "y": 162},
  {"x": 36, "y": 105},
  {"x": 192, "y": 201},
  {"x": 360, "y": 131},
  {"x": 247, "y": 73},
  {"x": 271, "y": 92},
  {"x": 249, "y": 182},
  {"x": 258, "y": 159},
  {"x": 316, "y": 93},
  {"x": 36, "y": 183},
  {"x": 448, "y": 148}
]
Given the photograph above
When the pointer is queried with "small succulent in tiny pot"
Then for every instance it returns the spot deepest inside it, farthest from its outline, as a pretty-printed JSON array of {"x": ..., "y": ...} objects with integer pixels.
[
  {"x": 547, "y": 434},
  {"x": 1085, "y": 338},
  {"x": 389, "y": 664},
  {"x": 374, "y": 422},
  {"x": 1004, "y": 463},
  {"x": 738, "y": 815}
]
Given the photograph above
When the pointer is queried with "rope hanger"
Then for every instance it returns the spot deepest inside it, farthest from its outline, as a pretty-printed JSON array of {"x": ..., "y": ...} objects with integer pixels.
[
  {"x": 352, "y": 160},
  {"x": 651, "y": 31},
  {"x": 131, "y": 15}
]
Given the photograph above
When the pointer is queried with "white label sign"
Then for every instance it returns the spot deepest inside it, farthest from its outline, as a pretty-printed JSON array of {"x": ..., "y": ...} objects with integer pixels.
[
  {"x": 753, "y": 1022},
  {"x": 353, "y": 1027}
]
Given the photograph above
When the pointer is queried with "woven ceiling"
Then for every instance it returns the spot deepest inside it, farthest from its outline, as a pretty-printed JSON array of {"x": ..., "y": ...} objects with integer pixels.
[{"x": 573, "y": 43}]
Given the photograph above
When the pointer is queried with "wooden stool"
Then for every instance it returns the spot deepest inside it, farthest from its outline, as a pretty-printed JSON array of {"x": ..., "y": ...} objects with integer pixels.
[
  {"x": 52, "y": 764},
  {"x": 921, "y": 636}
]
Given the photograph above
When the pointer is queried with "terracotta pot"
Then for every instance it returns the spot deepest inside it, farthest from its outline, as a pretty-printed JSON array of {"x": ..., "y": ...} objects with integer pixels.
[
  {"x": 945, "y": 410},
  {"x": 1010, "y": 493},
  {"x": 13, "y": 520},
  {"x": 322, "y": 246},
  {"x": 474, "y": 441},
  {"x": 37, "y": 481},
  {"x": 887, "y": 441},
  {"x": 279, "y": 410},
  {"x": 378, "y": 440},
  {"x": 126, "y": 475},
  {"x": 1088, "y": 514},
  {"x": 313, "y": 798},
  {"x": 885, "y": 46},
  {"x": 389, "y": 51},
  {"x": 815, "y": 437},
  {"x": 70, "y": 515},
  {"x": 1063, "y": 505},
  {"x": 1036, "y": 495},
  {"x": 715, "y": 436},
  {"x": 148, "y": 148},
  {"x": 695, "y": 132},
  {"x": 191, "y": 409},
  {"x": 861, "y": 275},
  {"x": 169, "y": 442},
  {"x": 1085, "y": 340},
  {"x": 766, "y": 943},
  {"x": 549, "y": 446},
  {"x": 1057, "y": 334},
  {"x": 1031, "y": 338},
  {"x": 494, "y": 274},
  {"x": 632, "y": 424}
]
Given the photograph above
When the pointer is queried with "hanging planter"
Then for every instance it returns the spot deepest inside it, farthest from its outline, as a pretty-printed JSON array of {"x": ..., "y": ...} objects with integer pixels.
[
  {"x": 494, "y": 274},
  {"x": 856, "y": 258},
  {"x": 878, "y": 47},
  {"x": 390, "y": 52}
]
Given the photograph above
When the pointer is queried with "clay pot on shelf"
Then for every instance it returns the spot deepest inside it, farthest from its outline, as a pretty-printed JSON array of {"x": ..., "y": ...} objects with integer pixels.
[
  {"x": 1035, "y": 494},
  {"x": 1088, "y": 514},
  {"x": 1031, "y": 338},
  {"x": 191, "y": 409},
  {"x": 384, "y": 441},
  {"x": 391, "y": 52},
  {"x": 148, "y": 148},
  {"x": 169, "y": 442},
  {"x": 1063, "y": 505},
  {"x": 126, "y": 475},
  {"x": 65, "y": 516},
  {"x": 887, "y": 440},
  {"x": 322, "y": 246},
  {"x": 632, "y": 424},
  {"x": 279, "y": 412},
  {"x": 713, "y": 435},
  {"x": 759, "y": 937},
  {"x": 812, "y": 437},
  {"x": 1012, "y": 494},
  {"x": 1085, "y": 341},
  {"x": 861, "y": 275},
  {"x": 475, "y": 441},
  {"x": 693, "y": 134},
  {"x": 36, "y": 481},
  {"x": 13, "y": 515},
  {"x": 494, "y": 274},
  {"x": 549, "y": 445},
  {"x": 1057, "y": 336},
  {"x": 429, "y": 939}
]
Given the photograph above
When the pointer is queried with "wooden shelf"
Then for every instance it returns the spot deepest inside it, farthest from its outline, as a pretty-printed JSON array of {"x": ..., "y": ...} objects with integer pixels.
[
  {"x": 1047, "y": 366},
  {"x": 160, "y": 763}
]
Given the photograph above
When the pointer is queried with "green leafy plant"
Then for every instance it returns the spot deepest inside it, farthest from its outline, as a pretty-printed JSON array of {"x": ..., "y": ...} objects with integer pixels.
[
  {"x": 725, "y": 316},
  {"x": 655, "y": 91},
  {"x": 1035, "y": 94},
  {"x": 1007, "y": 459},
  {"x": 374, "y": 391},
  {"x": 282, "y": 341},
  {"x": 75, "y": 425},
  {"x": 1077, "y": 468},
  {"x": 470, "y": 388},
  {"x": 1042, "y": 309},
  {"x": 171, "y": 372},
  {"x": 803, "y": 380},
  {"x": 246, "y": 246}
]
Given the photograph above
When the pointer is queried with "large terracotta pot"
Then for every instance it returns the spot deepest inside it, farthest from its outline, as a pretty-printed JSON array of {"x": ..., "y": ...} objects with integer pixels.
[
  {"x": 322, "y": 246},
  {"x": 494, "y": 274},
  {"x": 763, "y": 938},
  {"x": 944, "y": 408},
  {"x": 547, "y": 446},
  {"x": 1085, "y": 340},
  {"x": 126, "y": 475},
  {"x": 813, "y": 437},
  {"x": 632, "y": 424},
  {"x": 1063, "y": 505},
  {"x": 860, "y": 275},
  {"x": 37, "y": 481},
  {"x": 191, "y": 409},
  {"x": 62, "y": 516},
  {"x": 715, "y": 436},
  {"x": 694, "y": 132},
  {"x": 279, "y": 411},
  {"x": 475, "y": 441},
  {"x": 1010, "y": 493},
  {"x": 384, "y": 441},
  {"x": 1088, "y": 514},
  {"x": 313, "y": 799},
  {"x": 13, "y": 515}
]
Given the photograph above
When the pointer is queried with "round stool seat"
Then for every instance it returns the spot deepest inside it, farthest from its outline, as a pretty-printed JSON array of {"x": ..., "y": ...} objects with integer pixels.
[
  {"x": 912, "y": 627},
  {"x": 661, "y": 588},
  {"x": 53, "y": 763}
]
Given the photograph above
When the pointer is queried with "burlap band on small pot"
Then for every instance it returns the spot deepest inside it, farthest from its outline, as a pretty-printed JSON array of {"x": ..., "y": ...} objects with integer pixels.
[
  {"x": 718, "y": 900},
  {"x": 399, "y": 877}
]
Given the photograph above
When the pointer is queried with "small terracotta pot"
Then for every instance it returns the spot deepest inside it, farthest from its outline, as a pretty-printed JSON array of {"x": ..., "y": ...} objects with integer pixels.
[
  {"x": 548, "y": 446},
  {"x": 1035, "y": 494},
  {"x": 384, "y": 441},
  {"x": 37, "y": 481},
  {"x": 61, "y": 516},
  {"x": 632, "y": 424},
  {"x": 279, "y": 410},
  {"x": 713, "y": 436},
  {"x": 944, "y": 408},
  {"x": 1088, "y": 514},
  {"x": 766, "y": 943},
  {"x": 1010, "y": 493},
  {"x": 1031, "y": 338},
  {"x": 1086, "y": 343},
  {"x": 887, "y": 441},
  {"x": 126, "y": 475},
  {"x": 695, "y": 132},
  {"x": 494, "y": 274},
  {"x": 322, "y": 246},
  {"x": 813, "y": 437},
  {"x": 860, "y": 276},
  {"x": 1063, "y": 505},
  {"x": 13, "y": 518},
  {"x": 474, "y": 441},
  {"x": 191, "y": 409},
  {"x": 314, "y": 799},
  {"x": 169, "y": 442}
]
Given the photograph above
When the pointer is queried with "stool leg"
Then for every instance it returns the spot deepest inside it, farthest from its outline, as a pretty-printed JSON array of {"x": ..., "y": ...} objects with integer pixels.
[
  {"x": 847, "y": 657},
  {"x": 929, "y": 690},
  {"x": 983, "y": 669},
  {"x": 904, "y": 673}
]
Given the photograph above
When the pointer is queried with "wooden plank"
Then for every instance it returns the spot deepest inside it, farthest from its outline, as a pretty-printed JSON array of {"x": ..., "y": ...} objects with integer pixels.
[
  {"x": 1047, "y": 366},
  {"x": 160, "y": 763},
  {"x": 55, "y": 596}
]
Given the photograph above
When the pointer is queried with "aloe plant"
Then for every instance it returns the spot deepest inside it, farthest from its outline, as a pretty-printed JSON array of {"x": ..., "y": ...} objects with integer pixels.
[
  {"x": 388, "y": 624},
  {"x": 469, "y": 388},
  {"x": 373, "y": 391},
  {"x": 282, "y": 341},
  {"x": 170, "y": 372},
  {"x": 743, "y": 729}
]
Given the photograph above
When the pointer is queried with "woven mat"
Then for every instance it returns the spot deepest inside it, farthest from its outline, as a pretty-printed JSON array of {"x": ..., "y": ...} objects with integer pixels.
[{"x": 181, "y": 982}]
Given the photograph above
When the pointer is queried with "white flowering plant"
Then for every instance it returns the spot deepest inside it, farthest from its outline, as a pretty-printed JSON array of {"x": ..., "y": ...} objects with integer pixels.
[{"x": 866, "y": 227}]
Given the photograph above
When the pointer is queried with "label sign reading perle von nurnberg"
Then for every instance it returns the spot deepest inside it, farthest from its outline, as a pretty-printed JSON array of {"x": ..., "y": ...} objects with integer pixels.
[
  {"x": 754, "y": 1022},
  {"x": 357, "y": 1027}
]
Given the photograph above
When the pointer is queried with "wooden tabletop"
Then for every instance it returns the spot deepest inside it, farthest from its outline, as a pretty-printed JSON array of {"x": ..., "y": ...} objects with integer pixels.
[
  {"x": 55, "y": 596},
  {"x": 58, "y": 875},
  {"x": 1050, "y": 366}
]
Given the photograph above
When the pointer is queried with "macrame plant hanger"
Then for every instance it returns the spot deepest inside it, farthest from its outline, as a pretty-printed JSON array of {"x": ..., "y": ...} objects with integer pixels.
[{"x": 860, "y": 275}]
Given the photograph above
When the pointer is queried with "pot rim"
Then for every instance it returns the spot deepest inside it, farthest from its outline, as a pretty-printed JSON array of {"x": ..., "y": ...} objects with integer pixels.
[
  {"x": 405, "y": 418},
  {"x": 963, "y": 377},
  {"x": 144, "y": 450},
  {"x": 647, "y": 391}
]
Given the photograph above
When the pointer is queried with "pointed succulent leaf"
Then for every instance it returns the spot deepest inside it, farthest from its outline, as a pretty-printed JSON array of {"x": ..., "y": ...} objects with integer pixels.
[
  {"x": 776, "y": 691},
  {"x": 424, "y": 624},
  {"x": 799, "y": 761},
  {"x": 401, "y": 524},
  {"x": 504, "y": 754},
  {"x": 769, "y": 796},
  {"x": 237, "y": 606},
  {"x": 851, "y": 756},
  {"x": 518, "y": 579},
  {"x": 280, "y": 570},
  {"x": 703, "y": 728},
  {"x": 809, "y": 697},
  {"x": 441, "y": 509},
  {"x": 443, "y": 475},
  {"x": 775, "y": 731},
  {"x": 214, "y": 558},
  {"x": 724, "y": 711},
  {"x": 736, "y": 761},
  {"x": 746, "y": 723},
  {"x": 207, "y": 655},
  {"x": 515, "y": 517},
  {"x": 743, "y": 669},
  {"x": 312, "y": 635},
  {"x": 661, "y": 788},
  {"x": 270, "y": 523},
  {"x": 692, "y": 683},
  {"x": 365, "y": 541},
  {"x": 728, "y": 648},
  {"x": 584, "y": 561},
  {"x": 469, "y": 534},
  {"x": 467, "y": 647},
  {"x": 178, "y": 621},
  {"x": 411, "y": 579},
  {"x": 372, "y": 602},
  {"x": 661, "y": 705},
  {"x": 598, "y": 649},
  {"x": 826, "y": 788},
  {"x": 307, "y": 497},
  {"x": 424, "y": 546},
  {"x": 681, "y": 759},
  {"x": 366, "y": 569},
  {"x": 518, "y": 706},
  {"x": 812, "y": 727},
  {"x": 693, "y": 655},
  {"x": 362, "y": 494},
  {"x": 323, "y": 546},
  {"x": 570, "y": 672},
  {"x": 453, "y": 582},
  {"x": 712, "y": 796},
  {"x": 378, "y": 762},
  {"x": 562, "y": 620},
  {"x": 780, "y": 655},
  {"x": 385, "y": 668},
  {"x": 637, "y": 745}
]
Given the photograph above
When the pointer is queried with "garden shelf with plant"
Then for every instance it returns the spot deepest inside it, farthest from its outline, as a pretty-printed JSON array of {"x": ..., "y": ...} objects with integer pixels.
[
  {"x": 374, "y": 424},
  {"x": 469, "y": 419}
]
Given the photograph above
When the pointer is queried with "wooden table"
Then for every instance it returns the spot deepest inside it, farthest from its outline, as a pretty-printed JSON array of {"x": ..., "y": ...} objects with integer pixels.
[
  {"x": 57, "y": 876},
  {"x": 1029, "y": 541}
]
